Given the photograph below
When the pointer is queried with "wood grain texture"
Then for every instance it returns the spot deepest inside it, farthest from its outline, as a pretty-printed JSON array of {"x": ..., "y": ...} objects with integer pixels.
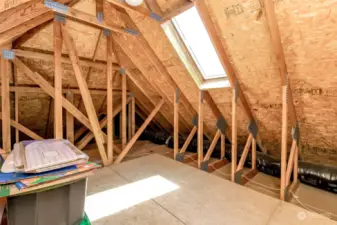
[
  {"x": 70, "y": 120},
  {"x": 58, "y": 117},
  {"x": 5, "y": 68},
  {"x": 87, "y": 100},
  {"x": 138, "y": 133},
  {"x": 110, "y": 100}
]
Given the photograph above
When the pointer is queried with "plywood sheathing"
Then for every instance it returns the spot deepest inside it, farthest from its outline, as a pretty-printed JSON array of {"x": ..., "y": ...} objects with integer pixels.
[
  {"x": 85, "y": 38},
  {"x": 167, "y": 6},
  {"x": 308, "y": 35},
  {"x": 9, "y": 4},
  {"x": 163, "y": 48},
  {"x": 33, "y": 111},
  {"x": 151, "y": 78}
]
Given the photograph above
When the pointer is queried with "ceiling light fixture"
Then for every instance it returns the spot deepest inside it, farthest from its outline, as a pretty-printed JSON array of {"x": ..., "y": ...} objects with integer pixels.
[{"x": 134, "y": 2}]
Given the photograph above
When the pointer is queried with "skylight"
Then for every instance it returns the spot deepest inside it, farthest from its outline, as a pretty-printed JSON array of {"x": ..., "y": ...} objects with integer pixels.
[{"x": 194, "y": 34}]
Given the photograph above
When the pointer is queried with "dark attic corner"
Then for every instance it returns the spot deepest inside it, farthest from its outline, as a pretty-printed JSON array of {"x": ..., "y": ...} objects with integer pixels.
[{"x": 168, "y": 112}]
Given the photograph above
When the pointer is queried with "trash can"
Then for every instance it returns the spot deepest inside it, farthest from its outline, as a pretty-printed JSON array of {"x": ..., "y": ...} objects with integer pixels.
[{"x": 58, "y": 206}]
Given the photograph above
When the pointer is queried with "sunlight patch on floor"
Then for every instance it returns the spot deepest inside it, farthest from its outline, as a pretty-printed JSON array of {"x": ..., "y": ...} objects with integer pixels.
[{"x": 114, "y": 200}]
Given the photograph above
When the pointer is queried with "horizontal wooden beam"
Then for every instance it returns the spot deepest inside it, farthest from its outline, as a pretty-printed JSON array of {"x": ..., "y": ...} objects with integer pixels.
[
  {"x": 64, "y": 59},
  {"x": 12, "y": 34},
  {"x": 91, "y": 20},
  {"x": 29, "y": 89}
]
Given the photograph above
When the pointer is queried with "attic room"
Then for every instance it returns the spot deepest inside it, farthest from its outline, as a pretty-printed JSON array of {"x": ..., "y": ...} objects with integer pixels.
[{"x": 168, "y": 112}]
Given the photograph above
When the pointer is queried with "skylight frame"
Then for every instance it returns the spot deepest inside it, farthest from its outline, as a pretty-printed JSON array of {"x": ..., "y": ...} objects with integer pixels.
[{"x": 205, "y": 77}]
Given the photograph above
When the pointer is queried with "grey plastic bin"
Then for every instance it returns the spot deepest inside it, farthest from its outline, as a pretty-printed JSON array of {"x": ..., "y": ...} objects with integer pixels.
[{"x": 60, "y": 206}]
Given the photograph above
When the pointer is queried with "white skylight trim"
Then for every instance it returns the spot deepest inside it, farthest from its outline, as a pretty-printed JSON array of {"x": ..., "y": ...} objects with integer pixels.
[{"x": 194, "y": 34}]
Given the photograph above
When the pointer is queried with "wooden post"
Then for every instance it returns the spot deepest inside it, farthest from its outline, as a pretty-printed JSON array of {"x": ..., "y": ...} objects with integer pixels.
[
  {"x": 254, "y": 154},
  {"x": 139, "y": 132},
  {"x": 70, "y": 119},
  {"x": 110, "y": 100},
  {"x": 223, "y": 146},
  {"x": 17, "y": 133},
  {"x": 87, "y": 100},
  {"x": 176, "y": 123},
  {"x": 234, "y": 134},
  {"x": 296, "y": 164},
  {"x": 200, "y": 129},
  {"x": 284, "y": 141},
  {"x": 129, "y": 121},
  {"x": 133, "y": 116},
  {"x": 5, "y": 70},
  {"x": 123, "y": 122},
  {"x": 58, "y": 123}
]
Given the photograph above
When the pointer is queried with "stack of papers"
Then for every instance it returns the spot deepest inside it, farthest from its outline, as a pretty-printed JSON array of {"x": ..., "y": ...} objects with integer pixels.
[
  {"x": 44, "y": 155},
  {"x": 33, "y": 163}
]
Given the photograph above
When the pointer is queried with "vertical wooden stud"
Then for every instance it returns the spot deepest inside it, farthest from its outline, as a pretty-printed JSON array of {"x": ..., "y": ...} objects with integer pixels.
[
  {"x": 254, "y": 154},
  {"x": 17, "y": 133},
  {"x": 70, "y": 119},
  {"x": 200, "y": 128},
  {"x": 58, "y": 124},
  {"x": 5, "y": 67},
  {"x": 296, "y": 164},
  {"x": 133, "y": 116},
  {"x": 284, "y": 140},
  {"x": 129, "y": 120},
  {"x": 234, "y": 134},
  {"x": 123, "y": 122},
  {"x": 176, "y": 123},
  {"x": 110, "y": 122},
  {"x": 223, "y": 146}
]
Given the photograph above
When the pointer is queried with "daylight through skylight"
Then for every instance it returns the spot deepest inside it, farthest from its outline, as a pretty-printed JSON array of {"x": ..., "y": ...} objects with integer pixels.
[{"x": 195, "y": 36}]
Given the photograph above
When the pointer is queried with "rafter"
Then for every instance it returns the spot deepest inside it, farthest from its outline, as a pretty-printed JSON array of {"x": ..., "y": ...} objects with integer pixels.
[
  {"x": 161, "y": 69},
  {"x": 23, "y": 13},
  {"x": 278, "y": 49},
  {"x": 224, "y": 59},
  {"x": 12, "y": 34},
  {"x": 25, "y": 17}
]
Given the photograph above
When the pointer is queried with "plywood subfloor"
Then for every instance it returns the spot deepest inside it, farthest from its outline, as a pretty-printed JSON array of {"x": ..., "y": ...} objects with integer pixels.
[{"x": 198, "y": 198}]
